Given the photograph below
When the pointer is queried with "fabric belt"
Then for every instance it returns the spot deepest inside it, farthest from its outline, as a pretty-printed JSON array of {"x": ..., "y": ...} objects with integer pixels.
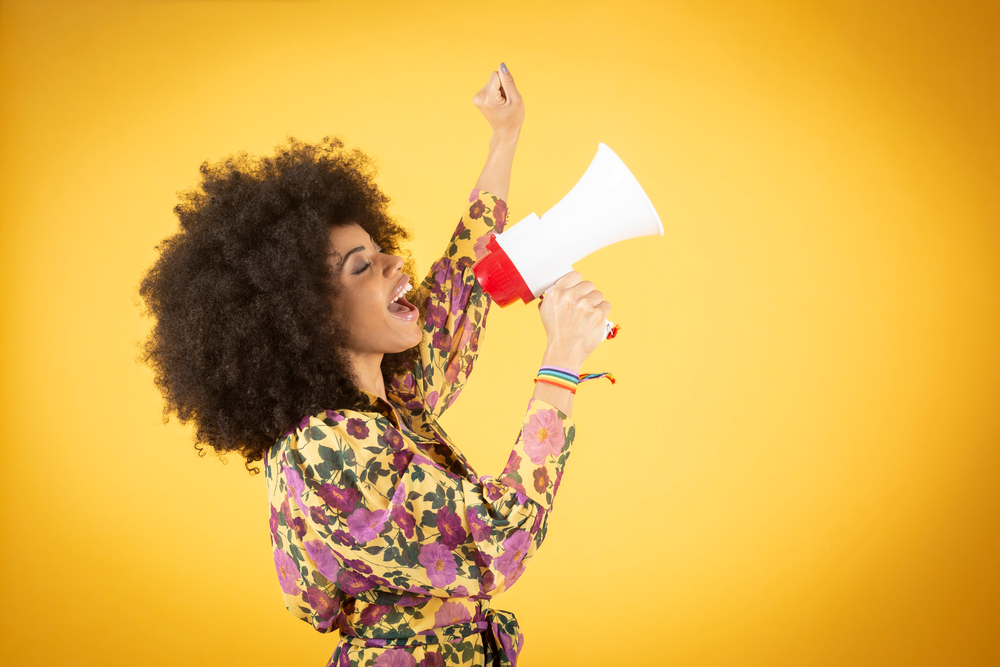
[{"x": 500, "y": 628}]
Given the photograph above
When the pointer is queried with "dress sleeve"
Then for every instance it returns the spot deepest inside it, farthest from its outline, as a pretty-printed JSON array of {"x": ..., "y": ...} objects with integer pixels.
[
  {"x": 455, "y": 312},
  {"x": 368, "y": 511}
]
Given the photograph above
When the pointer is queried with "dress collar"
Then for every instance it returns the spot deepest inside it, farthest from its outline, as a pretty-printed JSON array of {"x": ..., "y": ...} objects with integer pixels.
[{"x": 378, "y": 405}]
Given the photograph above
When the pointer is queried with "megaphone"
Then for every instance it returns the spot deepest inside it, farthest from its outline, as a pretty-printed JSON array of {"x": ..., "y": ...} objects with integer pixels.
[{"x": 607, "y": 205}]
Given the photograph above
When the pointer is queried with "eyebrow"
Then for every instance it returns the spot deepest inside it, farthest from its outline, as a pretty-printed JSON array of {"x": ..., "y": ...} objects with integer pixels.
[{"x": 340, "y": 264}]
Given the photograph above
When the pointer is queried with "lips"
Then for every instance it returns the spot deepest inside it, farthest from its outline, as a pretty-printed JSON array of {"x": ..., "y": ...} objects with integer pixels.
[
  {"x": 398, "y": 306},
  {"x": 402, "y": 287}
]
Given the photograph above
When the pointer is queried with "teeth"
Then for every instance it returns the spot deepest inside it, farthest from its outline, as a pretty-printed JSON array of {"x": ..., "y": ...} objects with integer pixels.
[{"x": 402, "y": 292}]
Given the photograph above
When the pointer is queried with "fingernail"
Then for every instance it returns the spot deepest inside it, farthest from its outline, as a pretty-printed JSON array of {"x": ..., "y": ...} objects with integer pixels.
[{"x": 503, "y": 68}]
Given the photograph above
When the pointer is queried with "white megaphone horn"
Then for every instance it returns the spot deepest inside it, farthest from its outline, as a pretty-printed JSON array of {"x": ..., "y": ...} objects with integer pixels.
[{"x": 607, "y": 205}]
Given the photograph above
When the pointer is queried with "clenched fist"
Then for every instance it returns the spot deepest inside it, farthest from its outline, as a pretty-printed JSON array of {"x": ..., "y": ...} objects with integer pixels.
[{"x": 502, "y": 105}]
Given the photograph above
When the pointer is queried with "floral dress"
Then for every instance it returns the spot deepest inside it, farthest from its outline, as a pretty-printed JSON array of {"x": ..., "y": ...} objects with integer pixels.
[{"x": 381, "y": 528}]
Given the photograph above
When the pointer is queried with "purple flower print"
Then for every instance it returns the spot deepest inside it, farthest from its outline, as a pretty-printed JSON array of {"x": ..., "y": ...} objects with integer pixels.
[
  {"x": 489, "y": 581},
  {"x": 353, "y": 583},
  {"x": 460, "y": 592},
  {"x": 513, "y": 462},
  {"x": 358, "y": 566},
  {"x": 543, "y": 435},
  {"x": 477, "y": 209},
  {"x": 373, "y": 613},
  {"x": 439, "y": 562},
  {"x": 275, "y": 525},
  {"x": 514, "y": 549},
  {"x": 480, "y": 246},
  {"x": 480, "y": 531},
  {"x": 394, "y": 439},
  {"x": 295, "y": 483},
  {"x": 459, "y": 297},
  {"x": 322, "y": 604},
  {"x": 451, "y": 613},
  {"x": 432, "y": 660},
  {"x": 317, "y": 515},
  {"x": 432, "y": 398},
  {"x": 340, "y": 537},
  {"x": 437, "y": 316},
  {"x": 555, "y": 487},
  {"x": 522, "y": 498},
  {"x": 403, "y": 387},
  {"x": 396, "y": 657},
  {"x": 441, "y": 277},
  {"x": 421, "y": 460},
  {"x": 441, "y": 341},
  {"x": 299, "y": 526},
  {"x": 541, "y": 476},
  {"x": 344, "y": 500},
  {"x": 404, "y": 520},
  {"x": 400, "y": 460},
  {"x": 500, "y": 215},
  {"x": 334, "y": 416},
  {"x": 493, "y": 490},
  {"x": 514, "y": 575},
  {"x": 449, "y": 525},
  {"x": 288, "y": 572},
  {"x": 538, "y": 521},
  {"x": 399, "y": 495},
  {"x": 356, "y": 428},
  {"x": 365, "y": 524},
  {"x": 452, "y": 371},
  {"x": 286, "y": 511},
  {"x": 325, "y": 561}
]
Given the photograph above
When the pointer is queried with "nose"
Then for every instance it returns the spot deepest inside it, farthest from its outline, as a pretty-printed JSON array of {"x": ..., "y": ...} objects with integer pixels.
[{"x": 393, "y": 265}]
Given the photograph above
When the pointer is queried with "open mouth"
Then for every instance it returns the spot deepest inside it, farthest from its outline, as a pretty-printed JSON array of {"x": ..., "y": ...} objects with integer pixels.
[{"x": 399, "y": 307}]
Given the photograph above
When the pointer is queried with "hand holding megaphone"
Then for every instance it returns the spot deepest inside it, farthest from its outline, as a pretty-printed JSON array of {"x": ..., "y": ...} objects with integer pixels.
[
  {"x": 606, "y": 205},
  {"x": 573, "y": 313}
]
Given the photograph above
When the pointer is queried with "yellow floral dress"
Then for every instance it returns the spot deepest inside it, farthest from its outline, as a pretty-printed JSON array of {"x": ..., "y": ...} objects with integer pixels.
[{"x": 380, "y": 527}]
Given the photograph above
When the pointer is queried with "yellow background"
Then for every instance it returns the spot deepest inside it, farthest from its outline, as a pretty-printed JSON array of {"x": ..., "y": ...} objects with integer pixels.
[{"x": 799, "y": 463}]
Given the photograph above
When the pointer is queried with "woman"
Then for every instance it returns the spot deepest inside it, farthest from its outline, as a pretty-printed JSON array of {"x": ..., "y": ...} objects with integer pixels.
[{"x": 287, "y": 331}]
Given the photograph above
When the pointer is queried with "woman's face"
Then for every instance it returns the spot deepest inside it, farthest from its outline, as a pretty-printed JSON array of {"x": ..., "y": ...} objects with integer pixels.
[{"x": 369, "y": 280}]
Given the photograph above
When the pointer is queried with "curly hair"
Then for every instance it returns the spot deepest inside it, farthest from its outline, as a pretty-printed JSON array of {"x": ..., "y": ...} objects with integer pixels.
[{"x": 247, "y": 339}]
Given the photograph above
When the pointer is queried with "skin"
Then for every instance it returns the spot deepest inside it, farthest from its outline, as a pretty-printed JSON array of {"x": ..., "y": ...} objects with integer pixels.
[
  {"x": 368, "y": 279},
  {"x": 572, "y": 312}
]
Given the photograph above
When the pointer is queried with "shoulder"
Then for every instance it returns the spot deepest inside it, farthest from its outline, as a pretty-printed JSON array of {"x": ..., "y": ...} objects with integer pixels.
[{"x": 338, "y": 437}]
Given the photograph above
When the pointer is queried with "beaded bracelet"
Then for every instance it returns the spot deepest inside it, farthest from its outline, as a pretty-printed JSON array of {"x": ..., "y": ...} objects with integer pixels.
[{"x": 567, "y": 379}]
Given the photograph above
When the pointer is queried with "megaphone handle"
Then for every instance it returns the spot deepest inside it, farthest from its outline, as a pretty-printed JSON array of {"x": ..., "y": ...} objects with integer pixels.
[{"x": 610, "y": 329}]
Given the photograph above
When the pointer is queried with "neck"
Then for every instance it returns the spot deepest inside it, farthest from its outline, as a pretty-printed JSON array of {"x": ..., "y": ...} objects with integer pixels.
[{"x": 368, "y": 371}]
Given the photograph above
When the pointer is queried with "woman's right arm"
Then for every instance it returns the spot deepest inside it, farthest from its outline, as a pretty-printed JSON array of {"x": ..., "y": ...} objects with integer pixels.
[
  {"x": 370, "y": 512},
  {"x": 573, "y": 314}
]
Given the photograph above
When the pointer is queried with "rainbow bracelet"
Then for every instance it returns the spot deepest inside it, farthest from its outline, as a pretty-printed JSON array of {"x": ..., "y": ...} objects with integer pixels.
[{"x": 567, "y": 379}]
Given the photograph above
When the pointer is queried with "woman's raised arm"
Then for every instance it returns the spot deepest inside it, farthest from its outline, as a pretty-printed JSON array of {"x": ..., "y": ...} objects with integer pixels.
[{"x": 501, "y": 104}]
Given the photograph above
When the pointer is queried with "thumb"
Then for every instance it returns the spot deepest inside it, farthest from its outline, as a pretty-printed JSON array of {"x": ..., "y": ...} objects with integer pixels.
[{"x": 507, "y": 80}]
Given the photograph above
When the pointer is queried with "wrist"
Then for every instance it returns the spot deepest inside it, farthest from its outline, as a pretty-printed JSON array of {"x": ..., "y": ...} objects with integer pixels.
[
  {"x": 556, "y": 357},
  {"x": 505, "y": 137}
]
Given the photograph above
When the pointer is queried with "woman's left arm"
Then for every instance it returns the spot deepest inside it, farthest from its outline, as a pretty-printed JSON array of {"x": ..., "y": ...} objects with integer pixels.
[
  {"x": 456, "y": 306},
  {"x": 501, "y": 104}
]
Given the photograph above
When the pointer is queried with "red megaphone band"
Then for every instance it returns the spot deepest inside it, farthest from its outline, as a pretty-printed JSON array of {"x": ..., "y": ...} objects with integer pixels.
[{"x": 499, "y": 278}]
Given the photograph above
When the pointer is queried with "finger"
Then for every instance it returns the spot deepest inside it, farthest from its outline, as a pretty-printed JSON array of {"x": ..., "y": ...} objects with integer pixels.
[
  {"x": 569, "y": 280},
  {"x": 595, "y": 298},
  {"x": 583, "y": 288},
  {"x": 494, "y": 87},
  {"x": 507, "y": 79}
]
